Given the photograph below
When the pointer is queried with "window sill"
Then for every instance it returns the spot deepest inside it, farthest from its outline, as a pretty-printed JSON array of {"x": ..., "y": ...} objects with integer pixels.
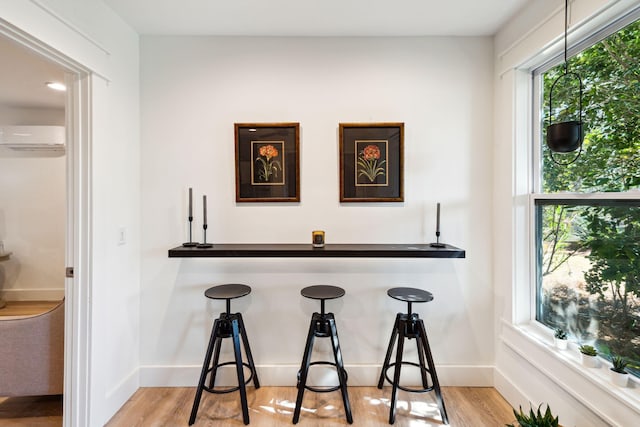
[{"x": 588, "y": 385}]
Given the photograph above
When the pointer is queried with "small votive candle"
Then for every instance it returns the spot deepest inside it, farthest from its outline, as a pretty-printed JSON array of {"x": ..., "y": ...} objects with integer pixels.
[{"x": 317, "y": 238}]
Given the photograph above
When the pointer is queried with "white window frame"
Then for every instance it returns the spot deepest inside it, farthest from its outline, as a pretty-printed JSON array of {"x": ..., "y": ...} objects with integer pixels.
[
  {"x": 536, "y": 152},
  {"x": 522, "y": 340}
]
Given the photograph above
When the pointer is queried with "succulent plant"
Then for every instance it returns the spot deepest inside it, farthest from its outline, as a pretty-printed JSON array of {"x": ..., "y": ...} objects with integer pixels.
[
  {"x": 560, "y": 334},
  {"x": 535, "y": 419},
  {"x": 588, "y": 350},
  {"x": 619, "y": 364}
]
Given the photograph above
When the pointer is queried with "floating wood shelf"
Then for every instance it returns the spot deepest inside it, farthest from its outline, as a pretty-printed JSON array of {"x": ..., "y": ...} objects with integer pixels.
[{"x": 286, "y": 250}]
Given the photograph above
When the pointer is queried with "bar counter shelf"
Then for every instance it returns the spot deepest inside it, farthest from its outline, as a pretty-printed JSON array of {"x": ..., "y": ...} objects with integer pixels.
[{"x": 294, "y": 250}]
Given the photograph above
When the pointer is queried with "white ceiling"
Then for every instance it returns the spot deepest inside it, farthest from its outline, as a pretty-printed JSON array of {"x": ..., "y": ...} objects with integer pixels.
[
  {"x": 23, "y": 74},
  {"x": 316, "y": 17}
]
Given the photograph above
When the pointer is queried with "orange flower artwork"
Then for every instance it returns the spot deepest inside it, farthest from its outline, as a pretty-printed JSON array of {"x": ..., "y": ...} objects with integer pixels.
[
  {"x": 368, "y": 165},
  {"x": 268, "y": 165}
]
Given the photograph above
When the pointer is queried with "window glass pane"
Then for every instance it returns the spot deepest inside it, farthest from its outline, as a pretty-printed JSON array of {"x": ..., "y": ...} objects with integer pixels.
[
  {"x": 610, "y": 73},
  {"x": 589, "y": 273}
]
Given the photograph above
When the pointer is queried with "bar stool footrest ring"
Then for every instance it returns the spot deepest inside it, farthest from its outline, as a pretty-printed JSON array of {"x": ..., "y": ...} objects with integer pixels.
[
  {"x": 407, "y": 389},
  {"x": 324, "y": 390},
  {"x": 232, "y": 389}
]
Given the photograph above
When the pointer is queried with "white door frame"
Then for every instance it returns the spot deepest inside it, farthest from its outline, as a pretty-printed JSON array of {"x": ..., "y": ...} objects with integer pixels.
[
  {"x": 77, "y": 349},
  {"x": 78, "y": 288}
]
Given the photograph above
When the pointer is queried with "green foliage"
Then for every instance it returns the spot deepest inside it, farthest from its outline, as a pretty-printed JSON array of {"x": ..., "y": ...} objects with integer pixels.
[
  {"x": 560, "y": 334},
  {"x": 610, "y": 162},
  {"x": 535, "y": 419},
  {"x": 619, "y": 364},
  {"x": 589, "y": 350},
  {"x": 615, "y": 259},
  {"x": 610, "y": 72},
  {"x": 561, "y": 225}
]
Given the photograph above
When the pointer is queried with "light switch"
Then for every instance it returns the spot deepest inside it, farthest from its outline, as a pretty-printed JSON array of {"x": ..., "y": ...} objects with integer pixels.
[{"x": 122, "y": 236}]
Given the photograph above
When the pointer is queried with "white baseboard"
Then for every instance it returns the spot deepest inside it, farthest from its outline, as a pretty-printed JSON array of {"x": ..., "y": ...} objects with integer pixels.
[
  {"x": 286, "y": 375},
  {"x": 45, "y": 294},
  {"x": 508, "y": 390},
  {"x": 119, "y": 395}
]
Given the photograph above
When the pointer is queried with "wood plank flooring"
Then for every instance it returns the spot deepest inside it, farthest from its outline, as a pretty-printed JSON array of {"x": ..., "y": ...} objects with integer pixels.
[
  {"x": 15, "y": 309},
  {"x": 273, "y": 406},
  {"x": 36, "y": 411}
]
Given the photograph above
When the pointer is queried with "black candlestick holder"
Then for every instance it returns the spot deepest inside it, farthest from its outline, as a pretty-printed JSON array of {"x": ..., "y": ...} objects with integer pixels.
[
  {"x": 437, "y": 243},
  {"x": 204, "y": 243},
  {"x": 190, "y": 243}
]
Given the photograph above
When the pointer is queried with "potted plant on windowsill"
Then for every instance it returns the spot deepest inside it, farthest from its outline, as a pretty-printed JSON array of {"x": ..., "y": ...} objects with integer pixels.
[
  {"x": 619, "y": 375},
  {"x": 589, "y": 356},
  {"x": 535, "y": 419},
  {"x": 560, "y": 339}
]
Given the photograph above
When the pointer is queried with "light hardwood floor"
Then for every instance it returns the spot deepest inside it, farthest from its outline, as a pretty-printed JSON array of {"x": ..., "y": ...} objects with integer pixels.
[
  {"x": 15, "y": 309},
  {"x": 37, "y": 411},
  {"x": 273, "y": 406}
]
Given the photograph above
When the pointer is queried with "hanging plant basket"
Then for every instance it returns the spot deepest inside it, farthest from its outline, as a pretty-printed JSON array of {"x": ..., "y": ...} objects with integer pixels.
[{"x": 565, "y": 136}]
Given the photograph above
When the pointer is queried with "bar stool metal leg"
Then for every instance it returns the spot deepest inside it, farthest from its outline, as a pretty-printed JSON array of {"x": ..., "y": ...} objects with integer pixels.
[
  {"x": 304, "y": 369},
  {"x": 421, "y": 352},
  {"x": 216, "y": 351},
  {"x": 396, "y": 377},
  {"x": 340, "y": 368},
  {"x": 247, "y": 350},
  {"x": 203, "y": 374},
  {"x": 240, "y": 371},
  {"x": 432, "y": 371},
  {"x": 387, "y": 359}
]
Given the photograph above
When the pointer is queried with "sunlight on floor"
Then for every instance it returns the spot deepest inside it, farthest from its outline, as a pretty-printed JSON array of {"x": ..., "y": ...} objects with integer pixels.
[
  {"x": 425, "y": 411},
  {"x": 413, "y": 410}
]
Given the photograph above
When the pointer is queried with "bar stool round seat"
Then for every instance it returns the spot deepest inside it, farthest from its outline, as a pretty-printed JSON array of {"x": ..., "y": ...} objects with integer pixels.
[
  {"x": 409, "y": 325},
  {"x": 228, "y": 325},
  {"x": 410, "y": 294},
  {"x": 227, "y": 292},
  {"x": 322, "y": 292},
  {"x": 323, "y": 325}
]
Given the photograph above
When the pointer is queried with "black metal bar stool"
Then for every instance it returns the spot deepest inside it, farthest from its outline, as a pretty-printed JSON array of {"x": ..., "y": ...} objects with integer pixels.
[
  {"x": 323, "y": 325},
  {"x": 228, "y": 325},
  {"x": 411, "y": 326}
]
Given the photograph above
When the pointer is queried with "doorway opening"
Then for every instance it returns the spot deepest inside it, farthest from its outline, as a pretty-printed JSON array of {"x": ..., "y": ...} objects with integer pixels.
[{"x": 44, "y": 140}]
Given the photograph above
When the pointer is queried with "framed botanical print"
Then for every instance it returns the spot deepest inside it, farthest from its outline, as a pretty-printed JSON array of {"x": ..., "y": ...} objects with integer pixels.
[
  {"x": 371, "y": 162},
  {"x": 267, "y": 162}
]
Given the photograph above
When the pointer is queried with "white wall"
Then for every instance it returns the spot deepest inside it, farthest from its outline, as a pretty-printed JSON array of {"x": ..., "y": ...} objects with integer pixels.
[
  {"x": 528, "y": 369},
  {"x": 90, "y": 35},
  {"x": 32, "y": 213},
  {"x": 193, "y": 89}
]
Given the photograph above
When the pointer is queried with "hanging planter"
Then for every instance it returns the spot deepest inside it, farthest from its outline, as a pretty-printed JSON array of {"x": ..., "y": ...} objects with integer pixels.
[{"x": 565, "y": 136}]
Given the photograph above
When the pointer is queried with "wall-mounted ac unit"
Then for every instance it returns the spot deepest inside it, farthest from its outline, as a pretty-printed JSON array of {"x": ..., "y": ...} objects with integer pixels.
[{"x": 29, "y": 138}]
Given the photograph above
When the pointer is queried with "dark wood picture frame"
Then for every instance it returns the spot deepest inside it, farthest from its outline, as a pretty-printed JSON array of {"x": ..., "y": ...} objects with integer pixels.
[
  {"x": 267, "y": 162},
  {"x": 371, "y": 162}
]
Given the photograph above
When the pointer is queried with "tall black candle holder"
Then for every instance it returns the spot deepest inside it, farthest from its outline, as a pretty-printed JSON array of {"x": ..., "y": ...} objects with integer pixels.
[
  {"x": 190, "y": 243},
  {"x": 437, "y": 243},
  {"x": 204, "y": 243}
]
